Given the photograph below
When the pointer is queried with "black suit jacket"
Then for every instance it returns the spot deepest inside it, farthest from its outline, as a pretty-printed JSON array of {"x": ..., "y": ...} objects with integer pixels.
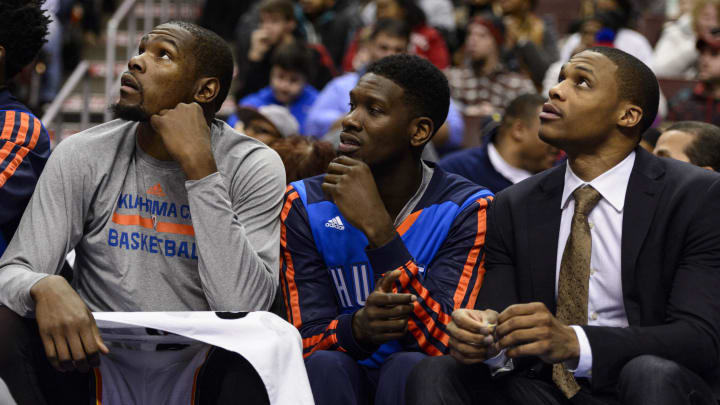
[{"x": 670, "y": 263}]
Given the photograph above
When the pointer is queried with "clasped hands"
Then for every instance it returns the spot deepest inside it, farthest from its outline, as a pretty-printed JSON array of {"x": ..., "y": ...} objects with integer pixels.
[{"x": 522, "y": 330}]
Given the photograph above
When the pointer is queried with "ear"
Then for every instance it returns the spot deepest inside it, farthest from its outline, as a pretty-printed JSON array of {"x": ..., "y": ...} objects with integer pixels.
[
  {"x": 630, "y": 115},
  {"x": 206, "y": 89},
  {"x": 517, "y": 130},
  {"x": 421, "y": 130}
]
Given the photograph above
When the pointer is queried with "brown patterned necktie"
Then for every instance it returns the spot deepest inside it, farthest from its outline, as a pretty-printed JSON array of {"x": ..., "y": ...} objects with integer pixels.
[{"x": 572, "y": 296}]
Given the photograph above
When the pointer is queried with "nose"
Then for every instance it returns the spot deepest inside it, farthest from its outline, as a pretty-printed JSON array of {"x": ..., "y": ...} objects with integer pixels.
[
  {"x": 556, "y": 93},
  {"x": 350, "y": 123},
  {"x": 136, "y": 64}
]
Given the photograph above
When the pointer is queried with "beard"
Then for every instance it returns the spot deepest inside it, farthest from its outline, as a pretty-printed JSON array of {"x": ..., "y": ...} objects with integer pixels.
[{"x": 129, "y": 112}]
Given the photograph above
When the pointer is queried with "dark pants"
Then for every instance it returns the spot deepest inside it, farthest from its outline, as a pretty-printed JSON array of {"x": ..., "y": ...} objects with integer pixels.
[
  {"x": 336, "y": 378},
  {"x": 224, "y": 377},
  {"x": 644, "y": 380}
]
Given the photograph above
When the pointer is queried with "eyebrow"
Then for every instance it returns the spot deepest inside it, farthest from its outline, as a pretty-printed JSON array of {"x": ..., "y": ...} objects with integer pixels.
[
  {"x": 171, "y": 41},
  {"x": 585, "y": 69}
]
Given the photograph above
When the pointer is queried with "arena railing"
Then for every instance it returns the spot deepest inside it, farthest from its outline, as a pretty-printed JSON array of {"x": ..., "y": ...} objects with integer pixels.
[{"x": 78, "y": 76}]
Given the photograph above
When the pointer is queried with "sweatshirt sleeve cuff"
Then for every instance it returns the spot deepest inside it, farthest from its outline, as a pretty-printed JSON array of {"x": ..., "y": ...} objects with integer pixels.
[
  {"x": 347, "y": 341},
  {"x": 15, "y": 285},
  {"x": 389, "y": 257},
  {"x": 210, "y": 180}
]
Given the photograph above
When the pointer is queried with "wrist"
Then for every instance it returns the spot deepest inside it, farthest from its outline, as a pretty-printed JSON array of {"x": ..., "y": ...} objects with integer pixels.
[
  {"x": 38, "y": 290},
  {"x": 573, "y": 347},
  {"x": 357, "y": 330},
  {"x": 197, "y": 168},
  {"x": 380, "y": 234}
]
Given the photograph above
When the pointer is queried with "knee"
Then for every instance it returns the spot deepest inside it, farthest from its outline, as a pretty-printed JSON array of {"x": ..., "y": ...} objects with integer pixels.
[
  {"x": 649, "y": 369},
  {"x": 329, "y": 363},
  {"x": 429, "y": 376},
  {"x": 647, "y": 376}
]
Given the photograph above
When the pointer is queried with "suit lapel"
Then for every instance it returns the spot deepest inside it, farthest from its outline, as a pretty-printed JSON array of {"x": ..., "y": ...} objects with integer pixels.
[
  {"x": 543, "y": 229},
  {"x": 644, "y": 186}
]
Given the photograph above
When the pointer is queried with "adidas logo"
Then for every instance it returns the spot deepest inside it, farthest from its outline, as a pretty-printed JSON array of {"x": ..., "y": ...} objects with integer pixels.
[
  {"x": 335, "y": 223},
  {"x": 156, "y": 190}
]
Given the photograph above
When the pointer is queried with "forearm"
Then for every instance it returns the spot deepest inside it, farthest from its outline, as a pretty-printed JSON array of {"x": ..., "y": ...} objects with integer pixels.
[{"x": 234, "y": 276}]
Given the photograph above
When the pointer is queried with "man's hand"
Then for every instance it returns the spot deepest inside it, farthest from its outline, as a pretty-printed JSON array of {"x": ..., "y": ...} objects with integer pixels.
[
  {"x": 385, "y": 314},
  {"x": 186, "y": 136},
  {"x": 351, "y": 186},
  {"x": 67, "y": 328},
  {"x": 531, "y": 330},
  {"x": 471, "y": 335}
]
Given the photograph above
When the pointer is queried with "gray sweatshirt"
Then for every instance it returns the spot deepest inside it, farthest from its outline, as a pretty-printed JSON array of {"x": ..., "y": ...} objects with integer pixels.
[{"x": 145, "y": 238}]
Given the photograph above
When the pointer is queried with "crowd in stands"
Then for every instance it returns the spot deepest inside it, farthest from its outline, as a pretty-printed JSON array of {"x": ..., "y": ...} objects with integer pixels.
[{"x": 460, "y": 176}]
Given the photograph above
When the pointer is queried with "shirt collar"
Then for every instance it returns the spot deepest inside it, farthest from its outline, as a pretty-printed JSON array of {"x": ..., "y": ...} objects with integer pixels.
[
  {"x": 612, "y": 184},
  {"x": 514, "y": 174}
]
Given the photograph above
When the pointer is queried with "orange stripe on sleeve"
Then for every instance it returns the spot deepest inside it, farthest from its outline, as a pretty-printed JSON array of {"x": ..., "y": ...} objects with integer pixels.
[
  {"x": 22, "y": 131},
  {"x": 9, "y": 125},
  {"x": 5, "y": 151},
  {"x": 23, "y": 151},
  {"x": 408, "y": 222},
  {"x": 472, "y": 259},
  {"x": 294, "y": 302}
]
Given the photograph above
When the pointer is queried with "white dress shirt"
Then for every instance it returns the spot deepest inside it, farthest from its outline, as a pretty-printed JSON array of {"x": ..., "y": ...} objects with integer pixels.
[
  {"x": 605, "y": 297},
  {"x": 512, "y": 173}
]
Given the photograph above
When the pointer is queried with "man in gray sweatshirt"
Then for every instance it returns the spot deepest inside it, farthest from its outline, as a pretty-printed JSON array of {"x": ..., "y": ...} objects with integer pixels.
[{"x": 167, "y": 208}]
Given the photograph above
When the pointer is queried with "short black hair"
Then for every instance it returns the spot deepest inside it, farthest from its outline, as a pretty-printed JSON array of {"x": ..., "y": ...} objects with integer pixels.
[
  {"x": 391, "y": 27},
  {"x": 286, "y": 8},
  {"x": 704, "y": 150},
  {"x": 523, "y": 107},
  {"x": 294, "y": 57},
  {"x": 636, "y": 83},
  {"x": 23, "y": 28},
  {"x": 213, "y": 58},
  {"x": 425, "y": 87}
]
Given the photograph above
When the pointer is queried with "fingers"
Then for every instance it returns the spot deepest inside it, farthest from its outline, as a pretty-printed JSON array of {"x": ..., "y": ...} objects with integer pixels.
[
  {"x": 77, "y": 352},
  {"x": 389, "y": 329},
  {"x": 522, "y": 336},
  {"x": 467, "y": 354},
  {"x": 64, "y": 360},
  {"x": 524, "y": 322},
  {"x": 470, "y": 320},
  {"x": 387, "y": 282},
  {"x": 393, "y": 312},
  {"x": 331, "y": 178},
  {"x": 378, "y": 299},
  {"x": 50, "y": 351},
  {"x": 521, "y": 309},
  {"x": 464, "y": 335},
  {"x": 538, "y": 348},
  {"x": 98, "y": 339}
]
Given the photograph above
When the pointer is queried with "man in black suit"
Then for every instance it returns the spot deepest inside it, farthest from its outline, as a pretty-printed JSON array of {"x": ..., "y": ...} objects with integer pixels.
[{"x": 606, "y": 269}]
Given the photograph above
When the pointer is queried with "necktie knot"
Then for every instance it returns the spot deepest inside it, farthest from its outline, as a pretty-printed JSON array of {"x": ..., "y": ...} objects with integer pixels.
[{"x": 586, "y": 198}]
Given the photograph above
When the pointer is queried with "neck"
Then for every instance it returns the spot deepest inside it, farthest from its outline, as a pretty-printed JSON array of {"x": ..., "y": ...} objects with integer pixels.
[
  {"x": 151, "y": 143},
  {"x": 588, "y": 166},
  {"x": 509, "y": 152},
  {"x": 397, "y": 183}
]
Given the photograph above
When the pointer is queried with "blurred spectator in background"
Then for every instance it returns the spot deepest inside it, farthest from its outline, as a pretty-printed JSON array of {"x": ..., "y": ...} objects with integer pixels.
[
  {"x": 277, "y": 26},
  {"x": 303, "y": 157},
  {"x": 425, "y": 40},
  {"x": 388, "y": 37},
  {"x": 598, "y": 29},
  {"x": 675, "y": 53},
  {"x": 511, "y": 152},
  {"x": 649, "y": 139},
  {"x": 331, "y": 23},
  {"x": 483, "y": 86},
  {"x": 532, "y": 40},
  {"x": 289, "y": 73},
  {"x": 24, "y": 143},
  {"x": 701, "y": 102},
  {"x": 626, "y": 39},
  {"x": 267, "y": 124},
  {"x": 694, "y": 142}
]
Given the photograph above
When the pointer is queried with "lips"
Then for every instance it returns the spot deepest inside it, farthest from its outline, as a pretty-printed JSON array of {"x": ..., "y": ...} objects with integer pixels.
[
  {"x": 348, "y": 143},
  {"x": 128, "y": 81},
  {"x": 550, "y": 112}
]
